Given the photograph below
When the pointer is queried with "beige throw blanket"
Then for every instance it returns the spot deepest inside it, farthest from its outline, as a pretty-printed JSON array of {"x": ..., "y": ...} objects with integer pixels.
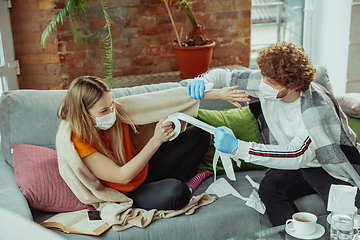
[{"x": 116, "y": 208}]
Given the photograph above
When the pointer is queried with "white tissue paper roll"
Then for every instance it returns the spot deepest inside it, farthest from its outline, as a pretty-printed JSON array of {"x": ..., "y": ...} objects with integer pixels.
[{"x": 177, "y": 128}]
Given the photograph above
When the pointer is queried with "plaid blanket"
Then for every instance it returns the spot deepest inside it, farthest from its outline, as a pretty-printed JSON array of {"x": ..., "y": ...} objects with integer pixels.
[{"x": 336, "y": 144}]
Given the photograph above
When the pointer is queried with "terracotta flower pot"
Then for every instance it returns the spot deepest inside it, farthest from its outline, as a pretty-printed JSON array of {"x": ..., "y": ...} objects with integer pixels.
[{"x": 194, "y": 60}]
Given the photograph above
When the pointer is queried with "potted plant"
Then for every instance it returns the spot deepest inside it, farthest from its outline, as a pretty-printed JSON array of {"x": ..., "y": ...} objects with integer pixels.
[{"x": 193, "y": 55}]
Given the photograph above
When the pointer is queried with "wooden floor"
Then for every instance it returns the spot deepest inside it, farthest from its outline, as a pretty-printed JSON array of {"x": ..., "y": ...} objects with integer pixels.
[{"x": 136, "y": 80}]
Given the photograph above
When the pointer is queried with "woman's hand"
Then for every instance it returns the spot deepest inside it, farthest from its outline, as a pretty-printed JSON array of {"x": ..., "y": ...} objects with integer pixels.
[{"x": 163, "y": 131}]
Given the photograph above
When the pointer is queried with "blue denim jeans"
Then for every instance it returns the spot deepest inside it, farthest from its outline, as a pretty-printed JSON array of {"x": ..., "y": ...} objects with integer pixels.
[{"x": 279, "y": 188}]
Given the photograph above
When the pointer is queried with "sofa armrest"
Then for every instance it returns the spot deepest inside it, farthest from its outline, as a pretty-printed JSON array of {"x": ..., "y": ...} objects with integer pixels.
[
  {"x": 11, "y": 198},
  {"x": 11, "y": 222}
]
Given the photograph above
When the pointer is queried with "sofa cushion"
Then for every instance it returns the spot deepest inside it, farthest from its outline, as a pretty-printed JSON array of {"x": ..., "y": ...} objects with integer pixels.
[
  {"x": 37, "y": 175},
  {"x": 29, "y": 116},
  {"x": 243, "y": 124},
  {"x": 350, "y": 104},
  {"x": 354, "y": 124}
]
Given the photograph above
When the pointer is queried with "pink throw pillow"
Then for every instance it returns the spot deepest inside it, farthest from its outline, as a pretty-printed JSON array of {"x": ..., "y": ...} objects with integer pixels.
[{"x": 37, "y": 175}]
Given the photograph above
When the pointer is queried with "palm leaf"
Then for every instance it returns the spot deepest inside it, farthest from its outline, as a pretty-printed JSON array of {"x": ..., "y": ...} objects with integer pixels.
[
  {"x": 75, "y": 9},
  {"x": 58, "y": 20},
  {"x": 108, "y": 54}
]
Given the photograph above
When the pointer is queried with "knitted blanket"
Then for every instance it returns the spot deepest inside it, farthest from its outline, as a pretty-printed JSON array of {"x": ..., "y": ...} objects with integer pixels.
[
  {"x": 116, "y": 208},
  {"x": 336, "y": 144}
]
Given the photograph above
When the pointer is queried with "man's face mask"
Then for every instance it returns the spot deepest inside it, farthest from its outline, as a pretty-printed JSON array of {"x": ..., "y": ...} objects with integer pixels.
[
  {"x": 269, "y": 93},
  {"x": 105, "y": 122}
]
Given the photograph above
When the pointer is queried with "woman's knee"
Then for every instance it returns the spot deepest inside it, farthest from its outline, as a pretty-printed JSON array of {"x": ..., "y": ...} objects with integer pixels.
[
  {"x": 177, "y": 194},
  {"x": 167, "y": 194}
]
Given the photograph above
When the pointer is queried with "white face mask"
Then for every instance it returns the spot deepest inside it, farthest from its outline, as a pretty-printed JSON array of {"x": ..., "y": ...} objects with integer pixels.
[
  {"x": 269, "y": 93},
  {"x": 105, "y": 122}
]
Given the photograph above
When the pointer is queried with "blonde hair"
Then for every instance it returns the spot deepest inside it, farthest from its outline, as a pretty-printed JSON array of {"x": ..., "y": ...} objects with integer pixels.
[
  {"x": 287, "y": 64},
  {"x": 82, "y": 94}
]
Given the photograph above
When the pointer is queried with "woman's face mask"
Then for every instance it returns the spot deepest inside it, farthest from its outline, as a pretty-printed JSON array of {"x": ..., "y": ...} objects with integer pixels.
[
  {"x": 104, "y": 108},
  {"x": 269, "y": 93},
  {"x": 105, "y": 122}
]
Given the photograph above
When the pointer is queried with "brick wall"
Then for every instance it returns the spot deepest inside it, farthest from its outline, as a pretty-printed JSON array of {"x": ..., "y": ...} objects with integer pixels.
[{"x": 142, "y": 36}]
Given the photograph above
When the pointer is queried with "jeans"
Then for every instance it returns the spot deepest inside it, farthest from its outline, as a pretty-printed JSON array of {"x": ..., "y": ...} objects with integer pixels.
[
  {"x": 279, "y": 188},
  {"x": 174, "y": 163}
]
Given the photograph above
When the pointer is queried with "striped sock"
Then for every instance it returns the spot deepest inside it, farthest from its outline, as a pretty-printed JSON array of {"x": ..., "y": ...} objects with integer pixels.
[{"x": 196, "y": 180}]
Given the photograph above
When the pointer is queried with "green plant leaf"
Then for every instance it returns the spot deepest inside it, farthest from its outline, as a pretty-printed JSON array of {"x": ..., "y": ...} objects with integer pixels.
[
  {"x": 74, "y": 10},
  {"x": 108, "y": 53}
]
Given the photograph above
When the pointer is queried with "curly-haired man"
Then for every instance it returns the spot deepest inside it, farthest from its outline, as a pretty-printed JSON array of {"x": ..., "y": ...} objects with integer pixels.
[{"x": 306, "y": 141}]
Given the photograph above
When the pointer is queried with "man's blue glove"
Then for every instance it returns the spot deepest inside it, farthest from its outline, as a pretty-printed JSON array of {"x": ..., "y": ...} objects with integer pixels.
[
  {"x": 225, "y": 140},
  {"x": 196, "y": 89}
]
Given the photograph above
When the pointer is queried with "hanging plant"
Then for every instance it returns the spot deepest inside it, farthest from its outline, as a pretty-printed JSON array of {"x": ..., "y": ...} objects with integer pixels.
[{"x": 74, "y": 10}]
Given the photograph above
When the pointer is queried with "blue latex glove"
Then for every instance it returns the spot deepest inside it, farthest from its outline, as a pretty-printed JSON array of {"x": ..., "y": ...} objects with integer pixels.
[
  {"x": 196, "y": 89},
  {"x": 225, "y": 140}
]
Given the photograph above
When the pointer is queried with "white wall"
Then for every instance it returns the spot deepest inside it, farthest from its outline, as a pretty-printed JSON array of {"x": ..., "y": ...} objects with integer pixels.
[
  {"x": 353, "y": 84},
  {"x": 330, "y": 39}
]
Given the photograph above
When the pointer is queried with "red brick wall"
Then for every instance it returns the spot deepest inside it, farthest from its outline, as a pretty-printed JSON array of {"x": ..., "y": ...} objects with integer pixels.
[{"x": 142, "y": 36}]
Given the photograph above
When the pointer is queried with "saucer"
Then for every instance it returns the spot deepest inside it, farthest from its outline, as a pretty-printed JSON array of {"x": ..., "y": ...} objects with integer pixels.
[{"x": 320, "y": 230}]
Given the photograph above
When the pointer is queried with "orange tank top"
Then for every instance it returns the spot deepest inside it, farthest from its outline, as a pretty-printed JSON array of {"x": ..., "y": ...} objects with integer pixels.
[{"x": 85, "y": 149}]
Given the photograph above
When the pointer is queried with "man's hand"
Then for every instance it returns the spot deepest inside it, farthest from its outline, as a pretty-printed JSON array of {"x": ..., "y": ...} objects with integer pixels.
[{"x": 225, "y": 140}]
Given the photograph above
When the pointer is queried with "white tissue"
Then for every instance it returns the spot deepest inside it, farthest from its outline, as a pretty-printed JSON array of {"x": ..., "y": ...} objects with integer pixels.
[
  {"x": 255, "y": 202},
  {"x": 254, "y": 184},
  {"x": 342, "y": 199},
  {"x": 222, "y": 188}
]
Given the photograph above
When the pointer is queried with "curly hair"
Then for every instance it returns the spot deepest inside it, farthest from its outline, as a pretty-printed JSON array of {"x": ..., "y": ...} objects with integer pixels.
[{"x": 287, "y": 64}]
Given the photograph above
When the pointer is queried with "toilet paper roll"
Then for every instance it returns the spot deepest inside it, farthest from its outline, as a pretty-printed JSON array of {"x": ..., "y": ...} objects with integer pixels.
[{"x": 177, "y": 128}]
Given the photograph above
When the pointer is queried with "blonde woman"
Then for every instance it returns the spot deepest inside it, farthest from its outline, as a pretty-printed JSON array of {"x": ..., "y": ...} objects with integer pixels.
[{"x": 156, "y": 174}]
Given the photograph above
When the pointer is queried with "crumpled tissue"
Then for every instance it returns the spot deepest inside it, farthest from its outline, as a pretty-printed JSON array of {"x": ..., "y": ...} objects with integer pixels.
[
  {"x": 342, "y": 199},
  {"x": 222, "y": 188}
]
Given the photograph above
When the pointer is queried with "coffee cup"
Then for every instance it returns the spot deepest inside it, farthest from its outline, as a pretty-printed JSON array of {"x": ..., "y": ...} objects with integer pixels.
[{"x": 303, "y": 223}]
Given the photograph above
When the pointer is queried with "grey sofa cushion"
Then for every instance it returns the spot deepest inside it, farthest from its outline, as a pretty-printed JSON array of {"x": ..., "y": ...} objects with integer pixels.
[{"x": 28, "y": 116}]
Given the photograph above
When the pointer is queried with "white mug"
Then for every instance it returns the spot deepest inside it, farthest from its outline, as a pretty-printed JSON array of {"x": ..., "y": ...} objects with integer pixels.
[{"x": 303, "y": 223}]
